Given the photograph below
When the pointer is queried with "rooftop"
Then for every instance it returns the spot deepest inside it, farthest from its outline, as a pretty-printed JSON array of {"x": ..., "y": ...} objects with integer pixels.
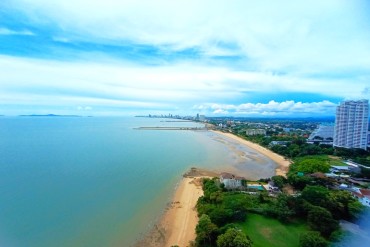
[{"x": 226, "y": 175}]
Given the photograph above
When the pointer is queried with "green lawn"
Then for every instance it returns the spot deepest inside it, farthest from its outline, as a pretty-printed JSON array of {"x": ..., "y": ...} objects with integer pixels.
[
  {"x": 334, "y": 162},
  {"x": 270, "y": 232}
]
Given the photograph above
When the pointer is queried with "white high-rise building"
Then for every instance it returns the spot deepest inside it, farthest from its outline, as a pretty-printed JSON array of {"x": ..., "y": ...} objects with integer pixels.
[{"x": 351, "y": 124}]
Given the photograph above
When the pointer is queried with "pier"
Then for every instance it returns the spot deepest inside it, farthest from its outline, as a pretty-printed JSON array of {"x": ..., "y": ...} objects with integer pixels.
[{"x": 173, "y": 128}]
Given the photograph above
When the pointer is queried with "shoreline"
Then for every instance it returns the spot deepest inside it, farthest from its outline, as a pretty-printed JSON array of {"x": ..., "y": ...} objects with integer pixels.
[
  {"x": 176, "y": 226},
  {"x": 283, "y": 164}
]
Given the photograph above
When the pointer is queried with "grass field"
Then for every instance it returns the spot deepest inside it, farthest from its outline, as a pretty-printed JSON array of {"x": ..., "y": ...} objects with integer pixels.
[
  {"x": 270, "y": 232},
  {"x": 335, "y": 162}
]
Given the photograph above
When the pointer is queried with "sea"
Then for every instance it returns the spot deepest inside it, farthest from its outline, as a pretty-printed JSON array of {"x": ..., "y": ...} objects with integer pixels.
[{"x": 99, "y": 181}]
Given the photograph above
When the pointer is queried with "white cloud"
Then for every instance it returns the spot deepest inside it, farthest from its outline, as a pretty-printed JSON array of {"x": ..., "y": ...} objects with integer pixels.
[
  {"x": 272, "y": 108},
  {"x": 314, "y": 47},
  {"x": 6, "y": 31},
  {"x": 84, "y": 108},
  {"x": 219, "y": 111},
  {"x": 177, "y": 86},
  {"x": 308, "y": 36}
]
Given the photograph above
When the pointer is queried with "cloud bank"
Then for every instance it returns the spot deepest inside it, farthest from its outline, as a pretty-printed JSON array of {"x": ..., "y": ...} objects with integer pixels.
[
  {"x": 272, "y": 108},
  {"x": 125, "y": 56}
]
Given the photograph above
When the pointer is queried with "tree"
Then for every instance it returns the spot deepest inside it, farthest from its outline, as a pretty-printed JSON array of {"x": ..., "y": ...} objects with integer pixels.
[
  {"x": 321, "y": 220},
  {"x": 316, "y": 195},
  {"x": 281, "y": 207},
  {"x": 237, "y": 205},
  {"x": 233, "y": 238},
  {"x": 299, "y": 182},
  {"x": 355, "y": 209},
  {"x": 312, "y": 239},
  {"x": 339, "y": 202},
  {"x": 205, "y": 230},
  {"x": 279, "y": 181},
  {"x": 221, "y": 215},
  {"x": 312, "y": 165}
]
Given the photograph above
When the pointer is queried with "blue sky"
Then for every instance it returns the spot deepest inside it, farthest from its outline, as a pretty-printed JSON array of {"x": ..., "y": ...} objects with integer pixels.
[{"x": 126, "y": 57}]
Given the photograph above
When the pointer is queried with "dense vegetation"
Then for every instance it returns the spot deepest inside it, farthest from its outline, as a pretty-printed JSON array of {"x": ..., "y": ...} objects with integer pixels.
[
  {"x": 316, "y": 202},
  {"x": 222, "y": 212}
]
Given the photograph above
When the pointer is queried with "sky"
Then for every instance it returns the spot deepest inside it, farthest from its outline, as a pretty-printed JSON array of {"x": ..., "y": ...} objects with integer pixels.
[{"x": 218, "y": 58}]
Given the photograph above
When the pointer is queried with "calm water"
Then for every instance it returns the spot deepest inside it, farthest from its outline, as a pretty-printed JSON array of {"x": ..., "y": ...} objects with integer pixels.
[{"x": 91, "y": 181}]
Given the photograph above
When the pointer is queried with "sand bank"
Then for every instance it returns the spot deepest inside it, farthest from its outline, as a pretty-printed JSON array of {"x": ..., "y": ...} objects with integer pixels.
[{"x": 283, "y": 164}]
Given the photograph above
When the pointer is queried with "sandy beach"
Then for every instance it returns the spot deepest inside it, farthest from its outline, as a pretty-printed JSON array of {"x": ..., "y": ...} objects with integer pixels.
[
  {"x": 177, "y": 225},
  {"x": 181, "y": 219},
  {"x": 283, "y": 164}
]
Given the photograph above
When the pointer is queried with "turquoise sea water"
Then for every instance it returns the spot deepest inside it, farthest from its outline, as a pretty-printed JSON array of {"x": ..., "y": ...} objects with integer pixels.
[{"x": 92, "y": 181}]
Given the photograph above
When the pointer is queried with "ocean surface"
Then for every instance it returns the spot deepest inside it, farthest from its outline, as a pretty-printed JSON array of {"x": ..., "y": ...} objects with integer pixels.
[{"x": 98, "y": 182}]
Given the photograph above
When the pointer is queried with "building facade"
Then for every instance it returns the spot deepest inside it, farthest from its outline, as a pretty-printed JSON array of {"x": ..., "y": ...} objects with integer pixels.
[
  {"x": 351, "y": 124},
  {"x": 253, "y": 132},
  {"x": 324, "y": 134},
  {"x": 363, "y": 196},
  {"x": 231, "y": 181}
]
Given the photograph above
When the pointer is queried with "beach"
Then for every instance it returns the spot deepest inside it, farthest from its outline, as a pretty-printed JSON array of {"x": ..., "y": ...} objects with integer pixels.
[
  {"x": 282, "y": 163},
  {"x": 177, "y": 225},
  {"x": 178, "y": 222},
  {"x": 181, "y": 218}
]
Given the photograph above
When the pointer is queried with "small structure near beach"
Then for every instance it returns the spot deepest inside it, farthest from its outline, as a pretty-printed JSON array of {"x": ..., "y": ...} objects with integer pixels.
[
  {"x": 231, "y": 181},
  {"x": 363, "y": 196}
]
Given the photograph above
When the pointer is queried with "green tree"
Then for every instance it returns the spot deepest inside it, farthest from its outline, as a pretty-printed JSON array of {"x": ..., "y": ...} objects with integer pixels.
[
  {"x": 355, "y": 209},
  {"x": 321, "y": 220},
  {"x": 221, "y": 215},
  {"x": 312, "y": 165},
  {"x": 312, "y": 239},
  {"x": 281, "y": 207},
  {"x": 279, "y": 181},
  {"x": 299, "y": 182},
  {"x": 205, "y": 231},
  {"x": 316, "y": 195},
  {"x": 339, "y": 203},
  {"x": 233, "y": 238}
]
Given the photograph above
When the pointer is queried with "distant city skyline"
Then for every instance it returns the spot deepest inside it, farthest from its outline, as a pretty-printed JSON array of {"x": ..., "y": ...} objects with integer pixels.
[{"x": 123, "y": 57}]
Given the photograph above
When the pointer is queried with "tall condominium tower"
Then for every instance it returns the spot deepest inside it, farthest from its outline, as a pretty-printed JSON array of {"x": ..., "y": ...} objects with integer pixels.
[{"x": 351, "y": 124}]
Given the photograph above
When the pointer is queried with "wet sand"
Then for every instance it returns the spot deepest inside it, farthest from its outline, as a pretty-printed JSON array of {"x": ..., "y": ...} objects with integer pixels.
[{"x": 282, "y": 163}]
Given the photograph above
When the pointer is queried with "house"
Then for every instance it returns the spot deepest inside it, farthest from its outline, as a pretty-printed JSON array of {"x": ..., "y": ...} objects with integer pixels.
[
  {"x": 231, "y": 181},
  {"x": 339, "y": 169},
  {"x": 281, "y": 143},
  {"x": 363, "y": 196},
  {"x": 253, "y": 132},
  {"x": 271, "y": 186}
]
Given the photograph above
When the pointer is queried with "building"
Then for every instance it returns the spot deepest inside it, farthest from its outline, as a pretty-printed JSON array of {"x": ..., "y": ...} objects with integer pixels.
[
  {"x": 253, "y": 132},
  {"x": 351, "y": 124},
  {"x": 231, "y": 181},
  {"x": 281, "y": 143},
  {"x": 324, "y": 134},
  {"x": 362, "y": 195}
]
